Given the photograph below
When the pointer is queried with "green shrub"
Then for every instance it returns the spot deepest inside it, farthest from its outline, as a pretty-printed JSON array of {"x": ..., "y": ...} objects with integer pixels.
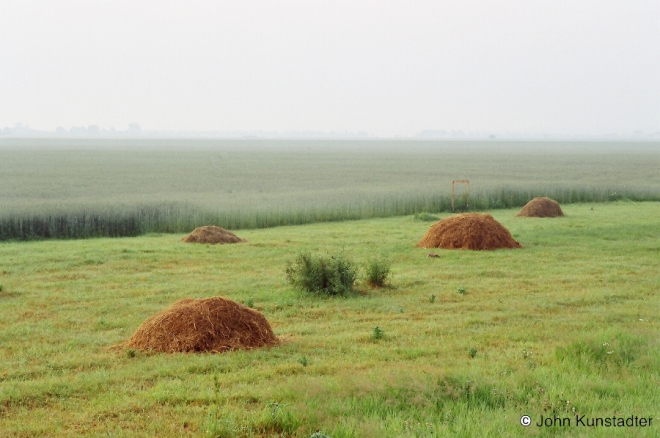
[
  {"x": 378, "y": 270},
  {"x": 329, "y": 276}
]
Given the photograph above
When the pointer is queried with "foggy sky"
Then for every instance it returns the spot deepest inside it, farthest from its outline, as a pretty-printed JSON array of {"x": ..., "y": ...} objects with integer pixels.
[{"x": 388, "y": 68}]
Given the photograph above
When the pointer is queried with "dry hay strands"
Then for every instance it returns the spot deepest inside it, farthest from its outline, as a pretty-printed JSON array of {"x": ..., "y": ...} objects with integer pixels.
[
  {"x": 204, "y": 325},
  {"x": 541, "y": 207},
  {"x": 468, "y": 231},
  {"x": 212, "y": 234}
]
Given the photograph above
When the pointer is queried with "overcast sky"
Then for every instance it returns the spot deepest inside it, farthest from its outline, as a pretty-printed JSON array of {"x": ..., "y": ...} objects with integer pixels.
[{"x": 388, "y": 68}]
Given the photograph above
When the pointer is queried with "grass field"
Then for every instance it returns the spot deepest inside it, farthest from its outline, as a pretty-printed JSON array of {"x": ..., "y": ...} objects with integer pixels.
[
  {"x": 85, "y": 188},
  {"x": 568, "y": 324}
]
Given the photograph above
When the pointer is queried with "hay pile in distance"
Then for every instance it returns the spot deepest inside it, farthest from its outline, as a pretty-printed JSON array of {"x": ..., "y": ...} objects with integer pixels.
[
  {"x": 468, "y": 231},
  {"x": 203, "y": 325},
  {"x": 212, "y": 234},
  {"x": 541, "y": 207}
]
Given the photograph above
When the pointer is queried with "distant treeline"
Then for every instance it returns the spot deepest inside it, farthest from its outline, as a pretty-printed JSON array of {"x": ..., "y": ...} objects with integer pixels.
[{"x": 183, "y": 218}]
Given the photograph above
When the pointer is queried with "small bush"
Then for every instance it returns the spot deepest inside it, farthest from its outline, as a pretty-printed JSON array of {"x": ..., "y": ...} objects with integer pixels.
[
  {"x": 378, "y": 333},
  {"x": 378, "y": 270},
  {"x": 329, "y": 276}
]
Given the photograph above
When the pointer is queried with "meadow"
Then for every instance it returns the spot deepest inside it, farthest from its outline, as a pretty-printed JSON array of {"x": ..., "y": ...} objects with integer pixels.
[
  {"x": 72, "y": 188},
  {"x": 468, "y": 342}
]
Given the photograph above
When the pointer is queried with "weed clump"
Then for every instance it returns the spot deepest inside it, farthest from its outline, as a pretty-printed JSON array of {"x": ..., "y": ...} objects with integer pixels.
[
  {"x": 378, "y": 271},
  {"x": 204, "y": 325},
  {"x": 620, "y": 350},
  {"x": 378, "y": 333},
  {"x": 334, "y": 275},
  {"x": 425, "y": 217}
]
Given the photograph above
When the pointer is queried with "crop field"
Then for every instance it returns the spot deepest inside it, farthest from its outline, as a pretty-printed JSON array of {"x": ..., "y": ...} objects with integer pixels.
[
  {"x": 466, "y": 343},
  {"x": 87, "y": 188}
]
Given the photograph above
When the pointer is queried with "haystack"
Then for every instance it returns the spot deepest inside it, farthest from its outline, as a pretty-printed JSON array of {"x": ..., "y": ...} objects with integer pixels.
[
  {"x": 209, "y": 324},
  {"x": 541, "y": 207},
  {"x": 212, "y": 234},
  {"x": 468, "y": 231}
]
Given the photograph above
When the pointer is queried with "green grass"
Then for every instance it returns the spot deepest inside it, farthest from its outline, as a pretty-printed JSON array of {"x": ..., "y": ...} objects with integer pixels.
[
  {"x": 104, "y": 188},
  {"x": 542, "y": 320}
]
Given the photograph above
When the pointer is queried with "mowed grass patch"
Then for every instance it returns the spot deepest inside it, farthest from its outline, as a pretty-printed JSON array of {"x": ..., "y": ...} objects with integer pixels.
[{"x": 542, "y": 321}]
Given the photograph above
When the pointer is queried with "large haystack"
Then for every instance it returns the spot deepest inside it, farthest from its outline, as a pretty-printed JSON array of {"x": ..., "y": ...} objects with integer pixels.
[
  {"x": 209, "y": 324},
  {"x": 468, "y": 231},
  {"x": 541, "y": 207},
  {"x": 212, "y": 234}
]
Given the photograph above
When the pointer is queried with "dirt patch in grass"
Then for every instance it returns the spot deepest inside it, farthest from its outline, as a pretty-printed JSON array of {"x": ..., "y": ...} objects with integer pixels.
[
  {"x": 474, "y": 231},
  {"x": 212, "y": 234},
  {"x": 204, "y": 325},
  {"x": 541, "y": 207}
]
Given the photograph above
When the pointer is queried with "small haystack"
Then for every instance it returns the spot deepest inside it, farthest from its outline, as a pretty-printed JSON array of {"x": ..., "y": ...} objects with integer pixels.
[
  {"x": 468, "y": 231},
  {"x": 209, "y": 324},
  {"x": 212, "y": 234},
  {"x": 541, "y": 207}
]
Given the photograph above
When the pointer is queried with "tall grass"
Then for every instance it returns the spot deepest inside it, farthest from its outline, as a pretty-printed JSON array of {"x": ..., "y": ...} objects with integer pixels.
[
  {"x": 181, "y": 217},
  {"x": 105, "y": 188}
]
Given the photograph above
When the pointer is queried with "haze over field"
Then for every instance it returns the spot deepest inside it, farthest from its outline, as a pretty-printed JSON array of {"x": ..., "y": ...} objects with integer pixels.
[{"x": 356, "y": 69}]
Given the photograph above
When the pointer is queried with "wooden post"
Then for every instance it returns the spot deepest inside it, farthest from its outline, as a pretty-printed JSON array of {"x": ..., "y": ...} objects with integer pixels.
[{"x": 467, "y": 191}]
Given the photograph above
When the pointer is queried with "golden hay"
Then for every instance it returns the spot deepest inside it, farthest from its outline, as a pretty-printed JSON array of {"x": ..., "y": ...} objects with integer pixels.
[
  {"x": 468, "y": 231},
  {"x": 212, "y": 234},
  {"x": 208, "y": 324},
  {"x": 541, "y": 207}
]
